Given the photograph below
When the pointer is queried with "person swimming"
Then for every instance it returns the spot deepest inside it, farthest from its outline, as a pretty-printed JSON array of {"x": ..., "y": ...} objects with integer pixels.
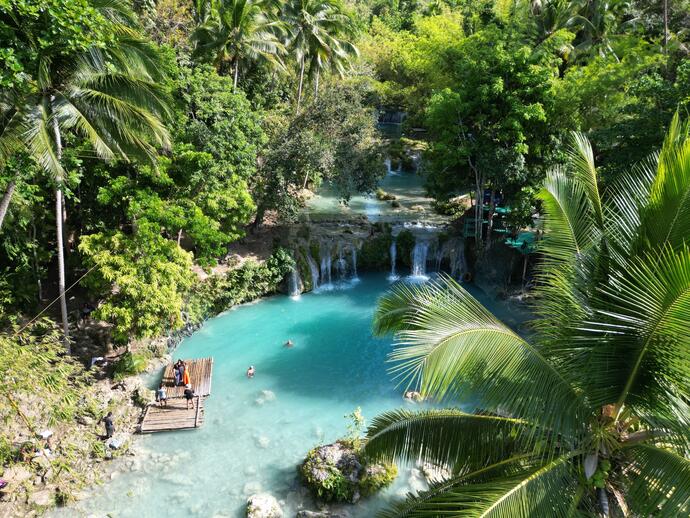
[
  {"x": 289, "y": 344},
  {"x": 250, "y": 371}
]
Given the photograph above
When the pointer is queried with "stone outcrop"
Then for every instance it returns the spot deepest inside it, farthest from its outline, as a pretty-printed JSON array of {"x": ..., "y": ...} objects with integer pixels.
[{"x": 263, "y": 505}]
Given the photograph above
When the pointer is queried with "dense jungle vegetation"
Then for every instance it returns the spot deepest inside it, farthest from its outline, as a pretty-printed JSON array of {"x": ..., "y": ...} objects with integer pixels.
[{"x": 139, "y": 139}]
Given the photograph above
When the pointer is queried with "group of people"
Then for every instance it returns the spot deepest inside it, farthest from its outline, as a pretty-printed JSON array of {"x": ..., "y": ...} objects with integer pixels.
[{"x": 181, "y": 375}]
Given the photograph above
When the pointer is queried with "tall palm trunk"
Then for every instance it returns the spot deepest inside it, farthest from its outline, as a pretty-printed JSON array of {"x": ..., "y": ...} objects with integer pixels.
[
  {"x": 60, "y": 244},
  {"x": 237, "y": 75},
  {"x": 665, "y": 26},
  {"x": 316, "y": 83},
  {"x": 301, "y": 83},
  {"x": 5, "y": 203}
]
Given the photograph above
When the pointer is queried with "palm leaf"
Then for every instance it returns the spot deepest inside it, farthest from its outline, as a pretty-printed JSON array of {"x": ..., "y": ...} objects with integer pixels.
[
  {"x": 442, "y": 437},
  {"x": 451, "y": 344},
  {"x": 658, "y": 482},
  {"x": 639, "y": 345},
  {"x": 547, "y": 489}
]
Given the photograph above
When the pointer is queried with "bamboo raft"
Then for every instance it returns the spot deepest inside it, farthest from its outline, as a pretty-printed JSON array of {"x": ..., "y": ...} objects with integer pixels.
[{"x": 175, "y": 415}]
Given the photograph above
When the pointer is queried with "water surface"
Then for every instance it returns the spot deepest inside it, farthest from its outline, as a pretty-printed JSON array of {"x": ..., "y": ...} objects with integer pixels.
[{"x": 257, "y": 431}]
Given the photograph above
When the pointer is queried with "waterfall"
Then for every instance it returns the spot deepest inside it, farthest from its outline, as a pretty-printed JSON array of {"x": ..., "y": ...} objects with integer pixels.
[
  {"x": 354, "y": 263},
  {"x": 394, "y": 253},
  {"x": 294, "y": 289},
  {"x": 419, "y": 258},
  {"x": 439, "y": 257},
  {"x": 341, "y": 263},
  {"x": 314, "y": 269},
  {"x": 388, "y": 166},
  {"x": 399, "y": 170},
  {"x": 326, "y": 263}
]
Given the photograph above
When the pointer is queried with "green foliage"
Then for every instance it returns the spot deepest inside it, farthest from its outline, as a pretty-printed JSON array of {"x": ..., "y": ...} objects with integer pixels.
[
  {"x": 377, "y": 477},
  {"x": 338, "y": 472},
  {"x": 375, "y": 253},
  {"x": 39, "y": 382},
  {"x": 333, "y": 139},
  {"x": 149, "y": 276},
  {"x": 245, "y": 283},
  {"x": 595, "y": 402},
  {"x": 405, "y": 242},
  {"x": 130, "y": 364},
  {"x": 56, "y": 29}
]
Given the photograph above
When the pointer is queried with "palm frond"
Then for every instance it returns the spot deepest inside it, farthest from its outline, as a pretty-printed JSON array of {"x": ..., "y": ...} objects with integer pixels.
[
  {"x": 658, "y": 482},
  {"x": 547, "y": 489},
  {"x": 666, "y": 218},
  {"x": 639, "y": 343},
  {"x": 443, "y": 437},
  {"x": 451, "y": 344}
]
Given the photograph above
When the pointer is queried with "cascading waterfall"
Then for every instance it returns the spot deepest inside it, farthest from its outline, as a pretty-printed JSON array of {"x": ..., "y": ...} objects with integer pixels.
[
  {"x": 294, "y": 289},
  {"x": 439, "y": 258},
  {"x": 314, "y": 269},
  {"x": 399, "y": 169},
  {"x": 326, "y": 263},
  {"x": 420, "y": 254},
  {"x": 388, "y": 166},
  {"x": 341, "y": 263},
  {"x": 355, "y": 277},
  {"x": 394, "y": 255}
]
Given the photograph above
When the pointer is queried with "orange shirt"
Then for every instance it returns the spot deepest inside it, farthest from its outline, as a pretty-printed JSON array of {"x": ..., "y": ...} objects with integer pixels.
[{"x": 185, "y": 377}]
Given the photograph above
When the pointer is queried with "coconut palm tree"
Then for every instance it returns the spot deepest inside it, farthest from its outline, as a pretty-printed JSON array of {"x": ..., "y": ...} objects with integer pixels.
[
  {"x": 317, "y": 32},
  {"x": 238, "y": 32},
  {"x": 590, "y": 415},
  {"x": 108, "y": 96}
]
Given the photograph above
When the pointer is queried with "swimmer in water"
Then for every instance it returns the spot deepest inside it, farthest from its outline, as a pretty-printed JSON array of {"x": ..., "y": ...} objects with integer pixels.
[
  {"x": 289, "y": 344},
  {"x": 250, "y": 371}
]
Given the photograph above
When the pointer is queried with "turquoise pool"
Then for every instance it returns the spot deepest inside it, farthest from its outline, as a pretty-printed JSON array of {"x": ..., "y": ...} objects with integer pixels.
[{"x": 258, "y": 430}]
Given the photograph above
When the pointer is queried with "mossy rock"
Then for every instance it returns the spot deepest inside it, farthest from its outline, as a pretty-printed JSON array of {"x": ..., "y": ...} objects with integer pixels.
[
  {"x": 338, "y": 473},
  {"x": 405, "y": 243},
  {"x": 375, "y": 253}
]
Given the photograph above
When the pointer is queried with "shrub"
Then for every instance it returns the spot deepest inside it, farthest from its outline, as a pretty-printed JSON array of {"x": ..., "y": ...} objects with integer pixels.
[{"x": 130, "y": 364}]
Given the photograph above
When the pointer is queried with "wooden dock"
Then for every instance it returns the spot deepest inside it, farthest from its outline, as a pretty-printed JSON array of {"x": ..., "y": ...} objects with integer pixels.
[
  {"x": 200, "y": 372},
  {"x": 175, "y": 415}
]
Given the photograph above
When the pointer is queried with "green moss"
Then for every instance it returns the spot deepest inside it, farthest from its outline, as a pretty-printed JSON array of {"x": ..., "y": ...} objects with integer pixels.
[
  {"x": 375, "y": 253},
  {"x": 329, "y": 483},
  {"x": 376, "y": 477},
  {"x": 405, "y": 243}
]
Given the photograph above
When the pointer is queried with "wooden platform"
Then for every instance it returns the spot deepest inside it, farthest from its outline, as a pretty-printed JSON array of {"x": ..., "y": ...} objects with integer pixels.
[
  {"x": 200, "y": 372},
  {"x": 174, "y": 416}
]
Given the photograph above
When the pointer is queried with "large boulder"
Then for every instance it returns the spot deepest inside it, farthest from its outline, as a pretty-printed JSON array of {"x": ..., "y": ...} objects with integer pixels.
[
  {"x": 263, "y": 505},
  {"x": 337, "y": 473}
]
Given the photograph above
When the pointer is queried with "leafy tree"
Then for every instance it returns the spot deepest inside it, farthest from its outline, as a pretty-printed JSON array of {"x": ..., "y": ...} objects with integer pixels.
[
  {"x": 590, "y": 415},
  {"x": 490, "y": 129},
  {"x": 145, "y": 277},
  {"x": 217, "y": 121},
  {"x": 239, "y": 31},
  {"x": 106, "y": 94},
  {"x": 316, "y": 29},
  {"x": 334, "y": 139}
]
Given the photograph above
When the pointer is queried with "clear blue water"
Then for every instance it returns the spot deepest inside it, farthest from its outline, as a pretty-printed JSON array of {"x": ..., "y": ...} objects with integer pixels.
[{"x": 258, "y": 430}]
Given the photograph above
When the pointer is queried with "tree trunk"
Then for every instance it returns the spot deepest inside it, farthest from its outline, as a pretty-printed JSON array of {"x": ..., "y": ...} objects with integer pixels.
[
  {"x": 60, "y": 245},
  {"x": 5, "y": 203},
  {"x": 316, "y": 83},
  {"x": 306, "y": 180},
  {"x": 37, "y": 271},
  {"x": 237, "y": 75},
  {"x": 179, "y": 237},
  {"x": 301, "y": 84},
  {"x": 666, "y": 27}
]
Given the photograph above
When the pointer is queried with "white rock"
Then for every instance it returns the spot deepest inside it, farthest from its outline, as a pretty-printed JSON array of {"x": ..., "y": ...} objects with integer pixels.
[{"x": 263, "y": 505}]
